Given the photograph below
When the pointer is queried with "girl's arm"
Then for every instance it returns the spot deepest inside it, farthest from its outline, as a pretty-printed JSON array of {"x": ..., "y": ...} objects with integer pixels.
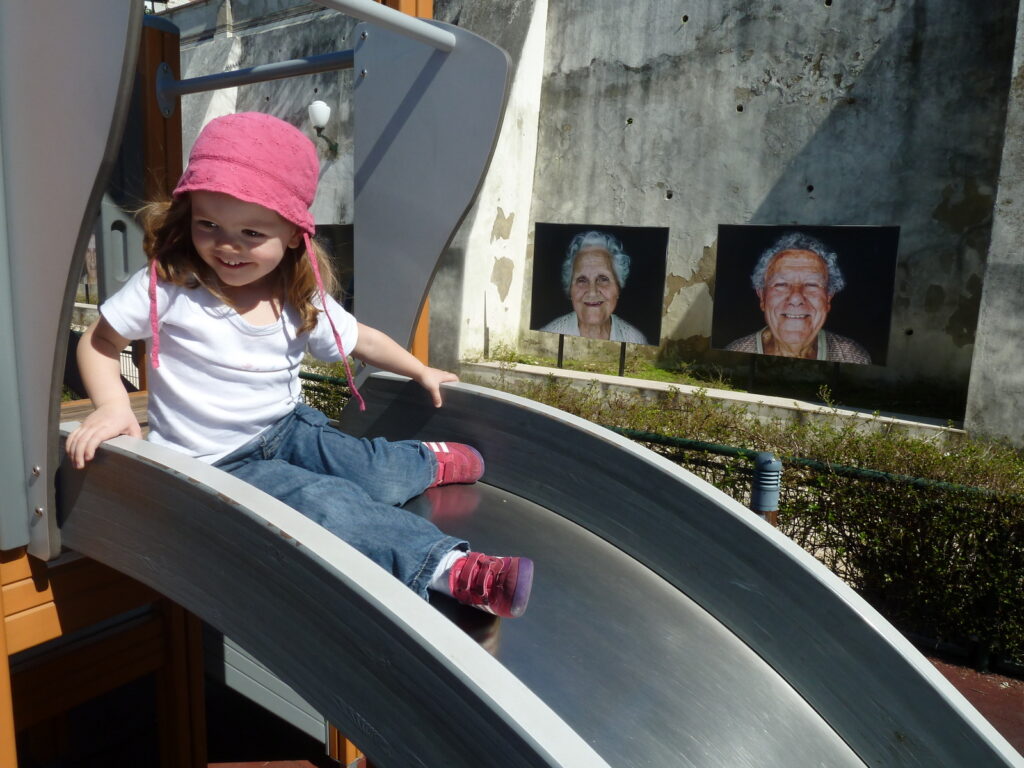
[
  {"x": 99, "y": 360},
  {"x": 380, "y": 350}
]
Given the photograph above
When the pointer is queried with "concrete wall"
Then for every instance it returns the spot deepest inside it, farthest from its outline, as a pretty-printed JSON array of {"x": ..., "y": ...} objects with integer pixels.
[
  {"x": 852, "y": 113},
  {"x": 996, "y": 397},
  {"x": 725, "y": 112},
  {"x": 478, "y": 293}
]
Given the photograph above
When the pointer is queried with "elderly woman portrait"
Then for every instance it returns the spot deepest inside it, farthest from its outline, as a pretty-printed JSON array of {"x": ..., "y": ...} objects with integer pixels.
[
  {"x": 594, "y": 274},
  {"x": 795, "y": 281}
]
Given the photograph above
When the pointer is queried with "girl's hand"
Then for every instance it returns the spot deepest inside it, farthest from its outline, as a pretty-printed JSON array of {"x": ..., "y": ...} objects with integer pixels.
[
  {"x": 380, "y": 350},
  {"x": 105, "y": 422},
  {"x": 431, "y": 380}
]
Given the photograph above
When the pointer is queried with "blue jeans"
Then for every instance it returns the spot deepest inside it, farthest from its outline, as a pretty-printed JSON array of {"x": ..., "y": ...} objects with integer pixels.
[{"x": 351, "y": 487}]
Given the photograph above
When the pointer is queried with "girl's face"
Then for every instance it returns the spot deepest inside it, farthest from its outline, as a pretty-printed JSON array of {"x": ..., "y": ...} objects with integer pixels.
[{"x": 241, "y": 242}]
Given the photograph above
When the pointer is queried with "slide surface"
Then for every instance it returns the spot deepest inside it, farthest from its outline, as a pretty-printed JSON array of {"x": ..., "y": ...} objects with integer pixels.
[
  {"x": 634, "y": 666},
  {"x": 668, "y": 625}
]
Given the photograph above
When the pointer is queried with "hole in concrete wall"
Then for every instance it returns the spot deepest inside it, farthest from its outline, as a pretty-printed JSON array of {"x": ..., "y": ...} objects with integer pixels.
[
  {"x": 828, "y": 3},
  {"x": 669, "y": 194},
  {"x": 810, "y": 187},
  {"x": 685, "y": 18},
  {"x": 909, "y": 332},
  {"x": 629, "y": 121},
  {"x": 739, "y": 107}
]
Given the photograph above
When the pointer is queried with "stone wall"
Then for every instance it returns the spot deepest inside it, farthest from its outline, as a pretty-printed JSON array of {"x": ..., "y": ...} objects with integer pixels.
[
  {"x": 996, "y": 396},
  {"x": 690, "y": 116}
]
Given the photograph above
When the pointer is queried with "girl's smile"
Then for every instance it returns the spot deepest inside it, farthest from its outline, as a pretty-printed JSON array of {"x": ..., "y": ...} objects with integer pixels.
[{"x": 243, "y": 243}]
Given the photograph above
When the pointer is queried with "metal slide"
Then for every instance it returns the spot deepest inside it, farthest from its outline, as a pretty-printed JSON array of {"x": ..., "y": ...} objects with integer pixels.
[{"x": 669, "y": 626}]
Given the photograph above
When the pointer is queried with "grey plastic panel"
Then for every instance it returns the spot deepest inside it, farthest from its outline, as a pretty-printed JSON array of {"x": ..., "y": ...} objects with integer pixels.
[
  {"x": 425, "y": 125},
  {"x": 119, "y": 252},
  {"x": 394, "y": 674},
  {"x": 864, "y": 680},
  {"x": 14, "y": 520},
  {"x": 59, "y": 132}
]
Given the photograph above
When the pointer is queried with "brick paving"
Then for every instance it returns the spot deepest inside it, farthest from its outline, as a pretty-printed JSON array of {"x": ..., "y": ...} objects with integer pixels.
[{"x": 999, "y": 699}]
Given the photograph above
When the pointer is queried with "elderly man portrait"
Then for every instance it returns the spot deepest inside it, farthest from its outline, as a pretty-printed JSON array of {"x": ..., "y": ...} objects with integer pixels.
[
  {"x": 594, "y": 273},
  {"x": 795, "y": 281}
]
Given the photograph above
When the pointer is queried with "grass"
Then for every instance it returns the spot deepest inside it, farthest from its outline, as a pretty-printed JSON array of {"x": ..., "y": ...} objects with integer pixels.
[
  {"x": 637, "y": 366},
  {"x": 841, "y": 439},
  {"x": 771, "y": 376}
]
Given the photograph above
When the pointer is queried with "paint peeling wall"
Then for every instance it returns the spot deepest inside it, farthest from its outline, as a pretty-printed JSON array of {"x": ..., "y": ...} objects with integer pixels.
[
  {"x": 478, "y": 293},
  {"x": 691, "y": 115}
]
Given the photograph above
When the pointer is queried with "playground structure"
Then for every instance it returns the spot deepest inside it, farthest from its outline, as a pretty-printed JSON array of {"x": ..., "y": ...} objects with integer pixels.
[{"x": 658, "y": 598}]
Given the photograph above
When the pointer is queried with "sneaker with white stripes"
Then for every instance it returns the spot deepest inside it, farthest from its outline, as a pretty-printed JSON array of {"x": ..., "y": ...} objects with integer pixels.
[
  {"x": 456, "y": 463},
  {"x": 498, "y": 585}
]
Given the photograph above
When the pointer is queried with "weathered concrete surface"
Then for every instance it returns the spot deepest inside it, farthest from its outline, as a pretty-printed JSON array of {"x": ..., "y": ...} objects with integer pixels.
[
  {"x": 652, "y": 114},
  {"x": 852, "y": 113},
  {"x": 996, "y": 395},
  {"x": 478, "y": 293}
]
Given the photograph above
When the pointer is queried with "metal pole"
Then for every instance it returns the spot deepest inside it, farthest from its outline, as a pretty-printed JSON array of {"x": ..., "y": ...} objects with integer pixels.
[
  {"x": 396, "y": 21},
  {"x": 168, "y": 89}
]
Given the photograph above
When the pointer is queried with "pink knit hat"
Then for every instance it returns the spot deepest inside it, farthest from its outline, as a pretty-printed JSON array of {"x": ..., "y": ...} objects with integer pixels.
[{"x": 264, "y": 160}]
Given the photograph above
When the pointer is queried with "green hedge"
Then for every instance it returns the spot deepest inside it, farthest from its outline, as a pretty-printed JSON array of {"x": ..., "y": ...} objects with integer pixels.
[{"x": 939, "y": 562}]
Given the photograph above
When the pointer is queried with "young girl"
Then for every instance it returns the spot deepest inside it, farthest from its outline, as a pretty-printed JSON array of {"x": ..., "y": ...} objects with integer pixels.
[{"x": 235, "y": 294}]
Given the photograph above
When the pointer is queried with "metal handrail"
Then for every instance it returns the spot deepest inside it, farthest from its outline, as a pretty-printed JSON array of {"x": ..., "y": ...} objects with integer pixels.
[
  {"x": 396, "y": 21},
  {"x": 168, "y": 89}
]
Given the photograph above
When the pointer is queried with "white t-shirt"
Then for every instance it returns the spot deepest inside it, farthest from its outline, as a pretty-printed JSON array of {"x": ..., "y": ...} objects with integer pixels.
[{"x": 221, "y": 381}]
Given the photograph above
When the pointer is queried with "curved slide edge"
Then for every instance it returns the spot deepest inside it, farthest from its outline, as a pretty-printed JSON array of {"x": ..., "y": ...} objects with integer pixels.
[
  {"x": 390, "y": 671},
  {"x": 865, "y": 679}
]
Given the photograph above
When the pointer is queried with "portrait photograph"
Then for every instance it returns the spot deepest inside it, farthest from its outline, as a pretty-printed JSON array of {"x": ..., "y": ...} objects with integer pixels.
[
  {"x": 599, "y": 281},
  {"x": 810, "y": 292}
]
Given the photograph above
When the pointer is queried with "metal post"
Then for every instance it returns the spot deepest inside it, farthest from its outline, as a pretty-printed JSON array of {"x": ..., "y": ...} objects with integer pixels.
[
  {"x": 168, "y": 89},
  {"x": 765, "y": 487}
]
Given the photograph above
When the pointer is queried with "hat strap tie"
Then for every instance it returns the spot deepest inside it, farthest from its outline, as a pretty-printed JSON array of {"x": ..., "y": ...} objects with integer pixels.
[
  {"x": 334, "y": 330},
  {"x": 154, "y": 324}
]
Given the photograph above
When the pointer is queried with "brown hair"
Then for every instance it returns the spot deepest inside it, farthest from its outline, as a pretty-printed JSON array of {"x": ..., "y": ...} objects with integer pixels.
[{"x": 167, "y": 228}]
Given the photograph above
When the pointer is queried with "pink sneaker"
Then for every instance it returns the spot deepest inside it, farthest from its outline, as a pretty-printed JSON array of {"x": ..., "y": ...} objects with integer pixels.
[
  {"x": 498, "y": 585},
  {"x": 456, "y": 463}
]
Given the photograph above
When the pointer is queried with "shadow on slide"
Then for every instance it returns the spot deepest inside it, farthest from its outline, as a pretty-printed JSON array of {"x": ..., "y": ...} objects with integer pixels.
[{"x": 668, "y": 625}]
